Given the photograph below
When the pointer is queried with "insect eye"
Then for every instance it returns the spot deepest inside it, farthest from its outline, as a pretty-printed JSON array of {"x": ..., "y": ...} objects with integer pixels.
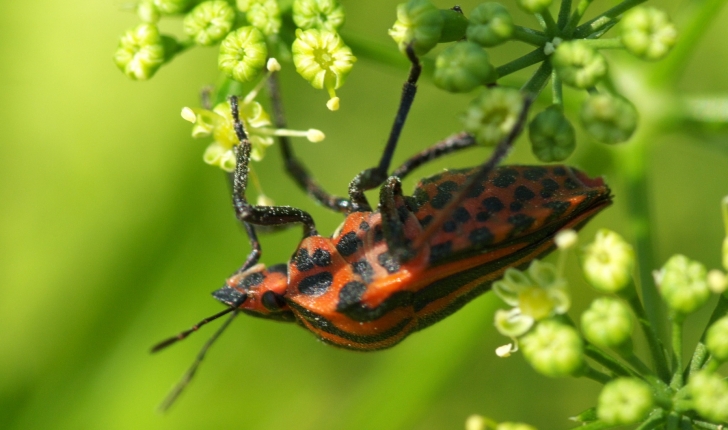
[{"x": 272, "y": 301}]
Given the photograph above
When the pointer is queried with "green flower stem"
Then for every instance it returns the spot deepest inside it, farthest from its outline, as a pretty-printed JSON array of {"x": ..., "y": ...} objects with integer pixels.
[
  {"x": 599, "y": 33},
  {"x": 701, "y": 355},
  {"x": 673, "y": 421},
  {"x": 548, "y": 22},
  {"x": 382, "y": 53},
  {"x": 653, "y": 421},
  {"x": 698, "y": 359},
  {"x": 564, "y": 11},
  {"x": 705, "y": 110},
  {"x": 707, "y": 426},
  {"x": 535, "y": 85},
  {"x": 604, "y": 19},
  {"x": 607, "y": 361},
  {"x": 592, "y": 91},
  {"x": 614, "y": 43},
  {"x": 557, "y": 90},
  {"x": 576, "y": 17},
  {"x": 595, "y": 375},
  {"x": 658, "y": 356},
  {"x": 634, "y": 361},
  {"x": 597, "y": 425},
  {"x": 527, "y": 35},
  {"x": 677, "y": 366},
  {"x": 533, "y": 57}
]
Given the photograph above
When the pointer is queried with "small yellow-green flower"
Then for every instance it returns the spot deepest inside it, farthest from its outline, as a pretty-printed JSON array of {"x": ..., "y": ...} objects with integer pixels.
[
  {"x": 625, "y": 401},
  {"x": 243, "y": 54},
  {"x": 321, "y": 14},
  {"x": 171, "y": 7},
  {"x": 608, "y": 118},
  {"x": 140, "y": 52},
  {"x": 418, "y": 23},
  {"x": 578, "y": 65},
  {"x": 553, "y": 349},
  {"x": 493, "y": 114},
  {"x": 608, "y": 261},
  {"x": 710, "y": 395},
  {"x": 322, "y": 58},
  {"x": 209, "y": 22},
  {"x": 265, "y": 15},
  {"x": 683, "y": 284},
  {"x": 607, "y": 322},
  {"x": 648, "y": 33}
]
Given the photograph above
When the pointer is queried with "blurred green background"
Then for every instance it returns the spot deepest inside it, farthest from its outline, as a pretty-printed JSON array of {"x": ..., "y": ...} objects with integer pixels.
[{"x": 113, "y": 233}]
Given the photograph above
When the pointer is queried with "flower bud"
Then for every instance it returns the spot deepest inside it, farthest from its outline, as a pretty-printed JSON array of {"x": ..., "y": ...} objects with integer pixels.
[
  {"x": 320, "y": 14},
  {"x": 463, "y": 66},
  {"x": 648, "y": 33},
  {"x": 683, "y": 284},
  {"x": 566, "y": 239},
  {"x": 717, "y": 281},
  {"x": 716, "y": 339},
  {"x": 578, "y": 65},
  {"x": 493, "y": 114},
  {"x": 710, "y": 395},
  {"x": 243, "y": 54},
  {"x": 608, "y": 261},
  {"x": 514, "y": 426},
  {"x": 607, "y": 322},
  {"x": 140, "y": 52},
  {"x": 475, "y": 422},
  {"x": 171, "y": 7},
  {"x": 209, "y": 22},
  {"x": 625, "y": 401},
  {"x": 265, "y": 15},
  {"x": 490, "y": 24},
  {"x": 454, "y": 25},
  {"x": 148, "y": 12},
  {"x": 552, "y": 135},
  {"x": 418, "y": 22},
  {"x": 322, "y": 58},
  {"x": 608, "y": 119},
  {"x": 553, "y": 349},
  {"x": 534, "y": 6}
]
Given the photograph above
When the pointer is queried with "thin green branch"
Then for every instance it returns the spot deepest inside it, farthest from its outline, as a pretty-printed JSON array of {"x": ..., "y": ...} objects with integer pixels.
[
  {"x": 653, "y": 421},
  {"x": 613, "y": 43},
  {"x": 677, "y": 366},
  {"x": 597, "y": 425},
  {"x": 530, "y": 36},
  {"x": 599, "y": 33},
  {"x": 576, "y": 16},
  {"x": 533, "y": 57},
  {"x": 702, "y": 109},
  {"x": 707, "y": 426},
  {"x": 548, "y": 21},
  {"x": 698, "y": 359},
  {"x": 604, "y": 19},
  {"x": 557, "y": 90},
  {"x": 605, "y": 360},
  {"x": 535, "y": 85},
  {"x": 564, "y": 11},
  {"x": 596, "y": 375}
]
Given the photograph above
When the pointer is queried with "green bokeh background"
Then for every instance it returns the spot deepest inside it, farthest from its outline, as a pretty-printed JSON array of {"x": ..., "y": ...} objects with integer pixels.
[{"x": 113, "y": 233}]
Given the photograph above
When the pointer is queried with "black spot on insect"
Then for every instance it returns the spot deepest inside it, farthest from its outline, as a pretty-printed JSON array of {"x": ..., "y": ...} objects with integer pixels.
[
  {"x": 364, "y": 226},
  {"x": 440, "y": 251},
  {"x": 421, "y": 196},
  {"x": 440, "y": 200},
  {"x": 449, "y": 226},
  {"x": 447, "y": 186},
  {"x": 461, "y": 215},
  {"x": 412, "y": 204},
  {"x": 520, "y": 222},
  {"x": 350, "y": 295},
  {"x": 316, "y": 285},
  {"x": 322, "y": 257},
  {"x": 303, "y": 261},
  {"x": 493, "y": 204},
  {"x": 272, "y": 301},
  {"x": 348, "y": 244},
  {"x": 388, "y": 262},
  {"x": 278, "y": 268},
  {"x": 481, "y": 236},
  {"x": 558, "y": 208},
  {"x": 251, "y": 280},
  {"x": 363, "y": 269},
  {"x": 570, "y": 184},
  {"x": 482, "y": 216},
  {"x": 534, "y": 173},
  {"x": 523, "y": 193},
  {"x": 424, "y": 222},
  {"x": 505, "y": 178},
  {"x": 476, "y": 191},
  {"x": 559, "y": 171},
  {"x": 549, "y": 188},
  {"x": 378, "y": 234},
  {"x": 515, "y": 206},
  {"x": 228, "y": 295}
]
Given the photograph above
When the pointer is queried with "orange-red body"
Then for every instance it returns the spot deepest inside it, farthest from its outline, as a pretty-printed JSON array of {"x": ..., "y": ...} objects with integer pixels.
[{"x": 351, "y": 292}]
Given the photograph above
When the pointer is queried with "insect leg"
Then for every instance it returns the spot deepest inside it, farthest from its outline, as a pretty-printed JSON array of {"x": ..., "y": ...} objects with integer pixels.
[
  {"x": 452, "y": 144},
  {"x": 293, "y": 165},
  {"x": 394, "y": 215},
  {"x": 375, "y": 176},
  {"x": 259, "y": 215}
]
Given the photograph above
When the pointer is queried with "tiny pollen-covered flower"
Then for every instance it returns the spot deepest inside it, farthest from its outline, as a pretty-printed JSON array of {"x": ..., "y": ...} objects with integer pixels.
[
  {"x": 493, "y": 114},
  {"x": 717, "y": 281},
  {"x": 462, "y": 67},
  {"x": 710, "y": 395},
  {"x": 320, "y": 14},
  {"x": 608, "y": 261},
  {"x": 716, "y": 339},
  {"x": 265, "y": 15},
  {"x": 534, "y": 6},
  {"x": 648, "y": 33},
  {"x": 420, "y": 23},
  {"x": 490, "y": 24},
  {"x": 578, "y": 65},
  {"x": 552, "y": 136},
  {"x": 505, "y": 351},
  {"x": 535, "y": 294},
  {"x": 171, "y": 7},
  {"x": 209, "y": 22},
  {"x": 273, "y": 65},
  {"x": 514, "y": 426},
  {"x": 608, "y": 119},
  {"x": 322, "y": 58},
  {"x": 607, "y": 322},
  {"x": 683, "y": 284},
  {"x": 140, "y": 52},
  {"x": 625, "y": 401},
  {"x": 566, "y": 239},
  {"x": 148, "y": 12},
  {"x": 243, "y": 54},
  {"x": 553, "y": 349}
]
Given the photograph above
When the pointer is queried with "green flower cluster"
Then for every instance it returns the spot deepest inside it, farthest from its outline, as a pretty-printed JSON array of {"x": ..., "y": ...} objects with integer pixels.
[
  {"x": 633, "y": 392},
  {"x": 569, "y": 53}
]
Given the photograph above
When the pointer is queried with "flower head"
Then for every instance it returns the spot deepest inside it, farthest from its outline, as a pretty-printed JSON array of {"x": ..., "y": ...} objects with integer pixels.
[
  {"x": 552, "y": 135},
  {"x": 140, "y": 52},
  {"x": 648, "y": 33},
  {"x": 493, "y": 114},
  {"x": 608, "y": 119},
  {"x": 420, "y": 23},
  {"x": 171, "y": 7},
  {"x": 322, "y": 58},
  {"x": 578, "y": 65},
  {"x": 554, "y": 349},
  {"x": 710, "y": 395},
  {"x": 265, "y": 15},
  {"x": 209, "y": 22},
  {"x": 490, "y": 24},
  {"x": 243, "y": 54},
  {"x": 607, "y": 322},
  {"x": 625, "y": 401},
  {"x": 462, "y": 67},
  {"x": 716, "y": 339},
  {"x": 608, "y": 261},
  {"x": 683, "y": 284},
  {"x": 320, "y": 14}
]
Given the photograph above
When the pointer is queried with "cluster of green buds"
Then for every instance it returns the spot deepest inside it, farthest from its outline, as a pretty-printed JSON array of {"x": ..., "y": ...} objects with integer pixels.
[
  {"x": 248, "y": 33},
  {"x": 601, "y": 347},
  {"x": 478, "y": 422},
  {"x": 570, "y": 53}
]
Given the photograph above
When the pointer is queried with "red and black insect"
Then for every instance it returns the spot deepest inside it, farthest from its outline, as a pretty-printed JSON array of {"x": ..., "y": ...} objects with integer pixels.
[{"x": 389, "y": 272}]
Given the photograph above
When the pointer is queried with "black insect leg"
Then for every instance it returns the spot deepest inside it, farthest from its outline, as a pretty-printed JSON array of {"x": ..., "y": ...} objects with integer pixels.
[
  {"x": 259, "y": 215},
  {"x": 451, "y": 144},
  {"x": 293, "y": 165},
  {"x": 374, "y": 177},
  {"x": 394, "y": 216}
]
